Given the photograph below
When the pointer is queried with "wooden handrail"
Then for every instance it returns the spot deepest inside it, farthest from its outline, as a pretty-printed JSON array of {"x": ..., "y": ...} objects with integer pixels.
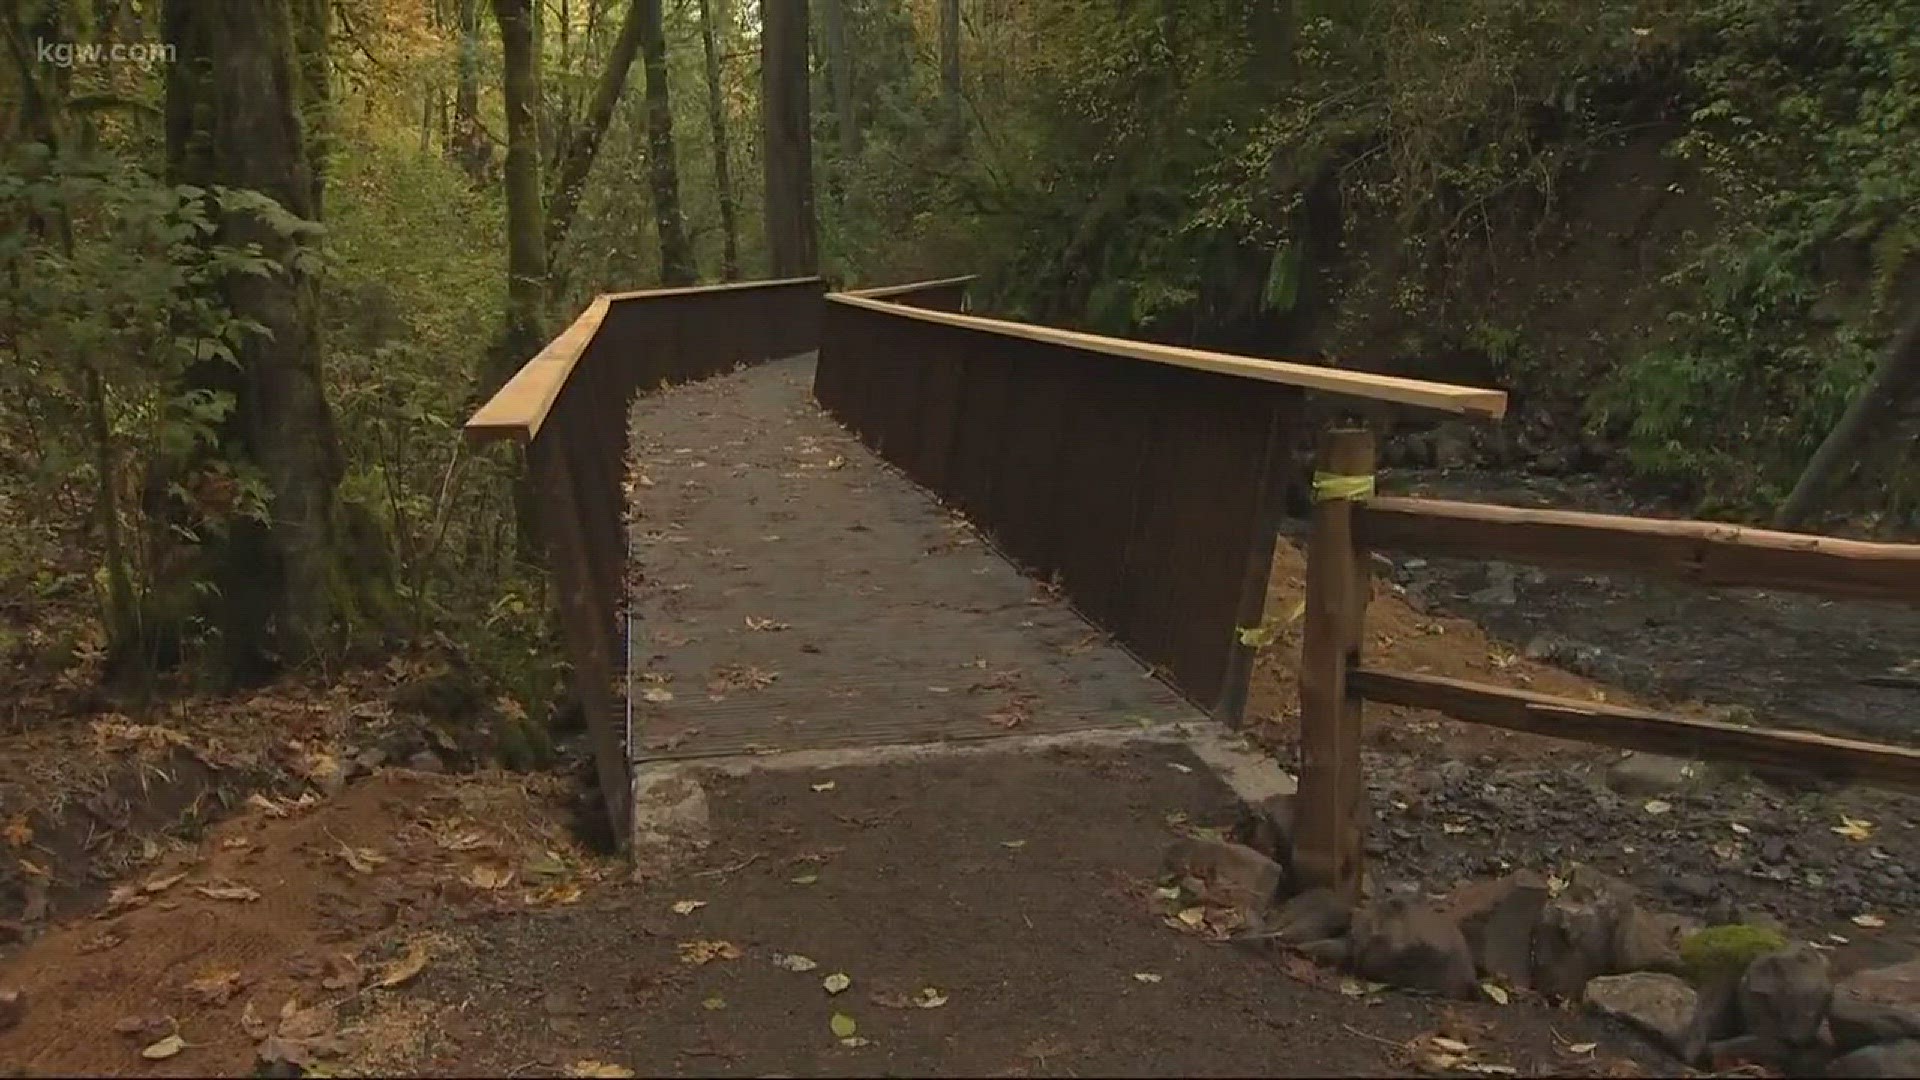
[
  {"x": 1640, "y": 729},
  {"x": 1703, "y": 553},
  {"x": 882, "y": 292},
  {"x": 519, "y": 409},
  {"x": 1460, "y": 400}
]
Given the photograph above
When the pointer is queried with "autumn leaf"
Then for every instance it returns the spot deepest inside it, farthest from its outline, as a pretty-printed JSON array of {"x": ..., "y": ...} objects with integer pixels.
[
  {"x": 18, "y": 833},
  {"x": 164, "y": 1049},
  {"x": 598, "y": 1069},
  {"x": 836, "y": 983},
  {"x": 687, "y": 907},
  {"x": 237, "y": 893},
  {"x": 698, "y": 953},
  {"x": 403, "y": 970},
  {"x": 490, "y": 878},
  {"x": 215, "y": 987},
  {"x": 162, "y": 883},
  {"x": 1854, "y": 828}
]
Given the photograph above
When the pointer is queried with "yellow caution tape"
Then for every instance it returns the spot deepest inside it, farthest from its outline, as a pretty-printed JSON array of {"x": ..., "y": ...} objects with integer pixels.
[{"x": 1328, "y": 487}]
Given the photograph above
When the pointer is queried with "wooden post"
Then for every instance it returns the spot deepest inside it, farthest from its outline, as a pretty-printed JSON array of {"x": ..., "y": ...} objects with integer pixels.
[{"x": 1327, "y": 845}]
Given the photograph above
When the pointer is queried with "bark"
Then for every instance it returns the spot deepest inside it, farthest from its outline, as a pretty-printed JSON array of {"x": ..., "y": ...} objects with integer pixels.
[
  {"x": 524, "y": 334},
  {"x": 570, "y": 178},
  {"x": 313, "y": 29},
  {"x": 1895, "y": 380},
  {"x": 791, "y": 229},
  {"x": 950, "y": 74},
  {"x": 833, "y": 17},
  {"x": 233, "y": 120},
  {"x": 722, "y": 170},
  {"x": 663, "y": 170}
]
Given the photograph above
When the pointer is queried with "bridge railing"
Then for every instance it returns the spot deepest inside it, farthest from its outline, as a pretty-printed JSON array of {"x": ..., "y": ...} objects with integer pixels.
[
  {"x": 568, "y": 407},
  {"x": 1146, "y": 481},
  {"x": 1349, "y": 522}
]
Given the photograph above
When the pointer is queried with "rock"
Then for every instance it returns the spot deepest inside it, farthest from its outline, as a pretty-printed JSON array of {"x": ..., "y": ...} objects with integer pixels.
[
  {"x": 1452, "y": 446},
  {"x": 1229, "y": 875},
  {"x": 1770, "y": 1054},
  {"x": 1784, "y": 995},
  {"x": 668, "y": 806},
  {"x": 1882, "y": 1059},
  {"x": 13, "y": 1006},
  {"x": 426, "y": 761},
  {"x": 1877, "y": 1005},
  {"x": 1574, "y": 941},
  {"x": 1716, "y": 1017},
  {"x": 1856, "y": 1023},
  {"x": 1650, "y": 940},
  {"x": 1314, "y": 915},
  {"x": 368, "y": 760},
  {"x": 1402, "y": 942},
  {"x": 1698, "y": 888},
  {"x": 1498, "y": 918},
  {"x": 1646, "y": 775},
  {"x": 1660, "y": 1005}
]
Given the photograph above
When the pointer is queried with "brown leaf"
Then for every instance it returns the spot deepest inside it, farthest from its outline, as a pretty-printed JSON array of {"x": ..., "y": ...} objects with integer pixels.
[
  {"x": 162, "y": 883},
  {"x": 215, "y": 987},
  {"x": 701, "y": 952},
  {"x": 490, "y": 878},
  {"x": 238, "y": 893},
  {"x": 18, "y": 833},
  {"x": 164, "y": 1049},
  {"x": 403, "y": 970},
  {"x": 310, "y": 1023},
  {"x": 251, "y": 1023},
  {"x": 145, "y": 1029}
]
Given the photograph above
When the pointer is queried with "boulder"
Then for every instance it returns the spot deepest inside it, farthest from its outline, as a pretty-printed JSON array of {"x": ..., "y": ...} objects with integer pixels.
[
  {"x": 1882, "y": 1059},
  {"x": 1638, "y": 775},
  {"x": 1402, "y": 942},
  {"x": 1857, "y": 1023},
  {"x": 1314, "y": 915},
  {"x": 1497, "y": 918},
  {"x": 1784, "y": 995},
  {"x": 1660, "y": 1005},
  {"x": 1650, "y": 940},
  {"x": 1574, "y": 940},
  {"x": 668, "y": 807},
  {"x": 1770, "y": 1054},
  {"x": 1224, "y": 874},
  {"x": 1877, "y": 1005}
]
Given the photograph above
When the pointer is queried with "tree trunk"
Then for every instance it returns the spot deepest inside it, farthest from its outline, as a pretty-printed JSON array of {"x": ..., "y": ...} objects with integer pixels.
[
  {"x": 791, "y": 235},
  {"x": 234, "y": 120},
  {"x": 471, "y": 150},
  {"x": 524, "y": 334},
  {"x": 840, "y": 70},
  {"x": 313, "y": 28},
  {"x": 950, "y": 74},
  {"x": 676, "y": 257},
  {"x": 570, "y": 180},
  {"x": 1896, "y": 379},
  {"x": 722, "y": 171}
]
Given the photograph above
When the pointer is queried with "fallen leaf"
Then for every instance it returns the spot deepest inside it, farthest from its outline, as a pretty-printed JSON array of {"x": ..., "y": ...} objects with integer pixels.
[
  {"x": 842, "y": 1026},
  {"x": 1452, "y": 828},
  {"x": 929, "y": 998},
  {"x": 827, "y": 786},
  {"x": 793, "y": 962},
  {"x": 162, "y": 884},
  {"x": 687, "y": 907},
  {"x": 1869, "y": 920},
  {"x": 490, "y": 878},
  {"x": 702, "y": 952},
  {"x": 805, "y": 879},
  {"x": 238, "y": 893},
  {"x": 598, "y": 1069},
  {"x": 1497, "y": 992},
  {"x": 1145, "y": 977},
  {"x": 1854, "y": 828},
  {"x": 18, "y": 832},
  {"x": 164, "y": 1049},
  {"x": 765, "y": 624},
  {"x": 657, "y": 695},
  {"x": 1657, "y": 806},
  {"x": 310, "y": 1023},
  {"x": 403, "y": 970},
  {"x": 836, "y": 982},
  {"x": 1015, "y": 845},
  {"x": 714, "y": 1004},
  {"x": 361, "y": 860},
  {"x": 1582, "y": 1048},
  {"x": 251, "y": 1023},
  {"x": 1192, "y": 916},
  {"x": 215, "y": 987},
  {"x": 1739, "y": 828},
  {"x": 1450, "y": 1045}
]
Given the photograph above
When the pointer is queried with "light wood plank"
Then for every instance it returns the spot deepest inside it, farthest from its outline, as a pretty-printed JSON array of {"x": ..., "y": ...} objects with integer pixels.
[{"x": 1460, "y": 400}]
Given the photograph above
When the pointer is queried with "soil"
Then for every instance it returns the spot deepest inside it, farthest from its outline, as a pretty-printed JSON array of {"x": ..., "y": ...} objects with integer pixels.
[{"x": 1019, "y": 889}]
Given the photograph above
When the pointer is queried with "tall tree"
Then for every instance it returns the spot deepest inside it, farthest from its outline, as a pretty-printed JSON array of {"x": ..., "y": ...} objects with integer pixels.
[
  {"x": 1897, "y": 379},
  {"x": 234, "y": 121},
  {"x": 950, "y": 73},
  {"x": 786, "y": 116},
  {"x": 471, "y": 148},
  {"x": 717, "y": 125},
  {"x": 576, "y": 163},
  {"x": 833, "y": 17},
  {"x": 676, "y": 257},
  {"x": 523, "y": 334}
]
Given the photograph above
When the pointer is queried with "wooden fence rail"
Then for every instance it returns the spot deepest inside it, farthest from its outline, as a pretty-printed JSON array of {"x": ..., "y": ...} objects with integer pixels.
[{"x": 1349, "y": 523}]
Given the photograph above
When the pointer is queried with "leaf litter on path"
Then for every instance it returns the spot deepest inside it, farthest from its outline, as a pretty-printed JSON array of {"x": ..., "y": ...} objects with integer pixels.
[{"x": 698, "y": 953}]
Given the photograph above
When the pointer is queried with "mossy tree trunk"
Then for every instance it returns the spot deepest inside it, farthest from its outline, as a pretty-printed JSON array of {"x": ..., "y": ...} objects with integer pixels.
[
  {"x": 722, "y": 168},
  {"x": 792, "y": 237},
  {"x": 663, "y": 170}
]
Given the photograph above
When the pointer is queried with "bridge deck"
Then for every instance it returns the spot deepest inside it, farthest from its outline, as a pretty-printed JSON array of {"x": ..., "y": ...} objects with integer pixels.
[{"x": 792, "y": 592}]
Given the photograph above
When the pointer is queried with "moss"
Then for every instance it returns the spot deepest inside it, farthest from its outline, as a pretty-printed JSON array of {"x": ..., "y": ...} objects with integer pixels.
[{"x": 1725, "y": 951}]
